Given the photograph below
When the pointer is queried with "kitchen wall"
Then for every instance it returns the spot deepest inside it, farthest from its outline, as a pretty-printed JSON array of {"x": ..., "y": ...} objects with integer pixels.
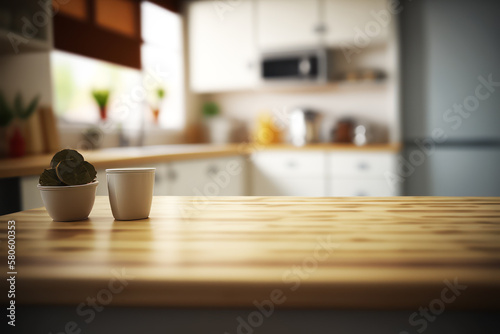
[
  {"x": 375, "y": 103},
  {"x": 365, "y": 103},
  {"x": 71, "y": 136},
  {"x": 27, "y": 73}
]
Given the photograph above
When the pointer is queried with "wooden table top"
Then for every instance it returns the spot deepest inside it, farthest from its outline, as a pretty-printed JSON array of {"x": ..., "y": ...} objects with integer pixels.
[
  {"x": 134, "y": 156},
  {"x": 346, "y": 253}
]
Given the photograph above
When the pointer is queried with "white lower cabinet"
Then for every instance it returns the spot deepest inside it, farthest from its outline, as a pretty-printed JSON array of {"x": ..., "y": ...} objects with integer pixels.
[
  {"x": 360, "y": 164},
  {"x": 322, "y": 173},
  {"x": 361, "y": 174},
  {"x": 161, "y": 187},
  {"x": 30, "y": 195},
  {"x": 102, "y": 188},
  {"x": 288, "y": 173},
  {"x": 270, "y": 173},
  {"x": 288, "y": 187},
  {"x": 208, "y": 177},
  {"x": 345, "y": 187}
]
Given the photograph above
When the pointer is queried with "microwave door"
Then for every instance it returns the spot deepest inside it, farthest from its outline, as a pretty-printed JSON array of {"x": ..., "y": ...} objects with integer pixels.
[
  {"x": 290, "y": 68},
  {"x": 280, "y": 68}
]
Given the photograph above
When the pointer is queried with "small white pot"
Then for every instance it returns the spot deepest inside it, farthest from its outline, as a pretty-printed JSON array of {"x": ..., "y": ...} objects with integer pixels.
[
  {"x": 219, "y": 130},
  {"x": 69, "y": 203}
]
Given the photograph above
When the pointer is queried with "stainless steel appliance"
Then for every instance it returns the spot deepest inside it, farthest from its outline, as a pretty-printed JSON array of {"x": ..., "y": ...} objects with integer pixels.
[
  {"x": 452, "y": 143},
  {"x": 303, "y": 127},
  {"x": 300, "y": 65}
]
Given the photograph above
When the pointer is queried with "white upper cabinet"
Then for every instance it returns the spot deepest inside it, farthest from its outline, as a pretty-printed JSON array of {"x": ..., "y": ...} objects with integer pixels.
[
  {"x": 288, "y": 24},
  {"x": 226, "y": 38},
  {"x": 358, "y": 23},
  {"x": 222, "y": 51}
]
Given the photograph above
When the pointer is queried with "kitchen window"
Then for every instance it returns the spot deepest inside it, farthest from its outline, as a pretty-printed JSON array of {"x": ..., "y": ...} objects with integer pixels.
[{"x": 133, "y": 93}]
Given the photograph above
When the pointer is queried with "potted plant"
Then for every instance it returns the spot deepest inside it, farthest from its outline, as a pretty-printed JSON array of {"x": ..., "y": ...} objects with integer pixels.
[
  {"x": 68, "y": 187},
  {"x": 156, "y": 105},
  {"x": 17, "y": 144},
  {"x": 217, "y": 127},
  {"x": 101, "y": 97}
]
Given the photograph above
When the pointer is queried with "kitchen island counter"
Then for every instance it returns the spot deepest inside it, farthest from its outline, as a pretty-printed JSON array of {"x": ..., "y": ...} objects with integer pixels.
[{"x": 343, "y": 253}]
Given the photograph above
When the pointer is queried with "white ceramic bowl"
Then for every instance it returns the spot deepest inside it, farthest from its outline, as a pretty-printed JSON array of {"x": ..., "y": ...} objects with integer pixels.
[{"x": 69, "y": 203}]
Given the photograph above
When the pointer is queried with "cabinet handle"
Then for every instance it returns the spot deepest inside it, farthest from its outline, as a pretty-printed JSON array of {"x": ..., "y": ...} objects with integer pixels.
[
  {"x": 212, "y": 170},
  {"x": 157, "y": 178},
  {"x": 172, "y": 175},
  {"x": 363, "y": 165},
  {"x": 320, "y": 28},
  {"x": 305, "y": 66}
]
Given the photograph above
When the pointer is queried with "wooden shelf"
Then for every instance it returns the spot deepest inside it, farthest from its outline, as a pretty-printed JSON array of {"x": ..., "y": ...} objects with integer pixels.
[{"x": 287, "y": 87}]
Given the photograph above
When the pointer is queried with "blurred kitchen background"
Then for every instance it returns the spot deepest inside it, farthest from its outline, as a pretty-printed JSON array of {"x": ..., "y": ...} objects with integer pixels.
[{"x": 329, "y": 97}]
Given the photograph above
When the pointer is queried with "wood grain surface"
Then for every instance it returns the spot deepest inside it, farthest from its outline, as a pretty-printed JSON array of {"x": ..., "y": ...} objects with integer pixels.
[
  {"x": 346, "y": 253},
  {"x": 134, "y": 156}
]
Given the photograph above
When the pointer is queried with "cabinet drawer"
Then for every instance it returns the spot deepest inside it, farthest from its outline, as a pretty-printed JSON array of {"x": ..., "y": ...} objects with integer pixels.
[
  {"x": 160, "y": 186},
  {"x": 102, "y": 188},
  {"x": 310, "y": 187},
  {"x": 289, "y": 163},
  {"x": 361, "y": 164},
  {"x": 210, "y": 177},
  {"x": 30, "y": 195},
  {"x": 361, "y": 187}
]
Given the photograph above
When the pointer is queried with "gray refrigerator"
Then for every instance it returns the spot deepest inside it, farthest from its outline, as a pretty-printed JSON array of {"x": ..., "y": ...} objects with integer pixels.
[{"x": 450, "y": 58}]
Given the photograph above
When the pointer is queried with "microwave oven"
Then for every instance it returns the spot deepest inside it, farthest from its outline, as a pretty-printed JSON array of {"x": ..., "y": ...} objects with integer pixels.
[{"x": 301, "y": 65}]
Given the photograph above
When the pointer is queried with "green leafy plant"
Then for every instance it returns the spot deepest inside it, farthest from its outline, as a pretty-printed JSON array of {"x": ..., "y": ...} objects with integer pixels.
[
  {"x": 68, "y": 168},
  {"x": 19, "y": 110},
  {"x": 210, "y": 109},
  {"x": 25, "y": 112},
  {"x": 101, "y": 97},
  {"x": 160, "y": 93}
]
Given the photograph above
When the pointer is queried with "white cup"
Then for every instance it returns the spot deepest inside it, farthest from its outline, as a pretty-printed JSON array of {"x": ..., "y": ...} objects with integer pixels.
[{"x": 130, "y": 192}]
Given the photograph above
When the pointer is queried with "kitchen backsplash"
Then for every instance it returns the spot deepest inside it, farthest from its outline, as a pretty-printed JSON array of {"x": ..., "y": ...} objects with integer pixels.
[{"x": 368, "y": 104}]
